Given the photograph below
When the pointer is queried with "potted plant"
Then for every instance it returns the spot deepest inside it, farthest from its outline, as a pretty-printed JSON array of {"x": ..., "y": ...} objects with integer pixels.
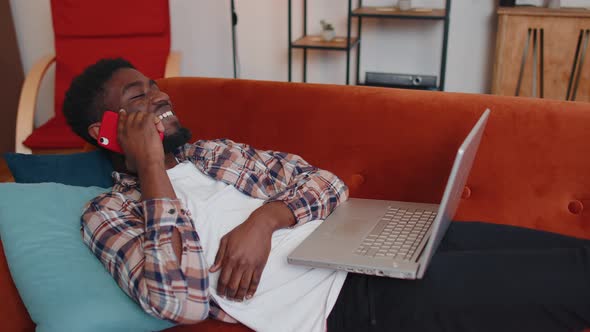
[{"x": 328, "y": 32}]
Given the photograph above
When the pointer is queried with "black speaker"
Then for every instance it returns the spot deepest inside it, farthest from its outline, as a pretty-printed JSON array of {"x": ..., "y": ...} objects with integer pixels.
[
  {"x": 413, "y": 81},
  {"x": 507, "y": 3}
]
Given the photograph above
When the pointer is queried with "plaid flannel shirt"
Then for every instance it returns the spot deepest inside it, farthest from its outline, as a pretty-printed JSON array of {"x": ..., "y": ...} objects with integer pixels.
[{"x": 132, "y": 237}]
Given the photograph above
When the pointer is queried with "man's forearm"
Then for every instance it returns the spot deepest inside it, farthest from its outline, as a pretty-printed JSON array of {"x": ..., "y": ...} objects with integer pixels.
[
  {"x": 156, "y": 184},
  {"x": 273, "y": 216},
  {"x": 314, "y": 196}
]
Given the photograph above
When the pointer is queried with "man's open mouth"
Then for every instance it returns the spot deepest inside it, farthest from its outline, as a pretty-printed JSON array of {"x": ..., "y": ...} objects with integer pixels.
[{"x": 165, "y": 115}]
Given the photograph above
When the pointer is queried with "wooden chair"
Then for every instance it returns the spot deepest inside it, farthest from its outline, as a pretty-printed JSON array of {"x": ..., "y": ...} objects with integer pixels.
[{"x": 86, "y": 31}]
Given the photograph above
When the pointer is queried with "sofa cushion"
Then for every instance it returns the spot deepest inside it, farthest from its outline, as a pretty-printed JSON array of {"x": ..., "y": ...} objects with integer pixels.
[
  {"x": 54, "y": 134},
  {"x": 63, "y": 286},
  {"x": 78, "y": 169}
]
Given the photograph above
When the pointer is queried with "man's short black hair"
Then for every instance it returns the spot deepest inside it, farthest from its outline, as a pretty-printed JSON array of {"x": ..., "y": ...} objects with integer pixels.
[{"x": 83, "y": 104}]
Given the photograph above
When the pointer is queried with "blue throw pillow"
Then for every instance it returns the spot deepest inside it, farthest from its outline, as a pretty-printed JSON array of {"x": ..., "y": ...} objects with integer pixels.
[
  {"x": 78, "y": 169},
  {"x": 62, "y": 284}
]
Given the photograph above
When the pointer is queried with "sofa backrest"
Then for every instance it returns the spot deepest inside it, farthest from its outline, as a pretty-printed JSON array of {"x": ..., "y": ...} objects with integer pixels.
[{"x": 532, "y": 168}]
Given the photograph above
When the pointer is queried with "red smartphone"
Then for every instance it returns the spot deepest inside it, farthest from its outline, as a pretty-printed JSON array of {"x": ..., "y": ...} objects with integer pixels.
[{"x": 107, "y": 134}]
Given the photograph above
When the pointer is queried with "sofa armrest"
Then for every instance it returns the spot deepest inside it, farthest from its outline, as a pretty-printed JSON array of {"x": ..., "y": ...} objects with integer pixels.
[
  {"x": 173, "y": 64},
  {"x": 5, "y": 174},
  {"x": 25, "y": 116},
  {"x": 13, "y": 314}
]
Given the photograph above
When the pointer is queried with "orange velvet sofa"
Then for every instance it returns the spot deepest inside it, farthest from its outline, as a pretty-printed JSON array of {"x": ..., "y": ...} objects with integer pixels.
[{"x": 532, "y": 168}]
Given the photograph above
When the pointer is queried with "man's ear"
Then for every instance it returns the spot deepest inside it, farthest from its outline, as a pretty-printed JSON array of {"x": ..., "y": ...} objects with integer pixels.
[{"x": 93, "y": 130}]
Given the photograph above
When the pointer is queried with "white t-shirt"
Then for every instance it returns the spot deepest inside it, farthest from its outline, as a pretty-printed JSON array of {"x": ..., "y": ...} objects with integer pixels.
[{"x": 289, "y": 297}]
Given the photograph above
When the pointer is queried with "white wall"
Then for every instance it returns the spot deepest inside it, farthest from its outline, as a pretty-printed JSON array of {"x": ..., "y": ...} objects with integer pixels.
[
  {"x": 201, "y": 31},
  {"x": 34, "y": 32}
]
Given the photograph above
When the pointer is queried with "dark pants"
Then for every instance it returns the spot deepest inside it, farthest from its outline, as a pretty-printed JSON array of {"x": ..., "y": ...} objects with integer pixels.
[{"x": 483, "y": 277}]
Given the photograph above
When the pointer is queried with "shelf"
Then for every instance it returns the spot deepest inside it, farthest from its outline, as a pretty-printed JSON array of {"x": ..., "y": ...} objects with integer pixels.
[
  {"x": 400, "y": 87},
  {"x": 316, "y": 42},
  {"x": 393, "y": 12},
  {"x": 348, "y": 42}
]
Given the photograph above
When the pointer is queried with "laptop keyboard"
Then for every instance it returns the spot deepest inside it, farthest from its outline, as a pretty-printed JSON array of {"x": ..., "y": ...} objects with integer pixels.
[{"x": 398, "y": 234}]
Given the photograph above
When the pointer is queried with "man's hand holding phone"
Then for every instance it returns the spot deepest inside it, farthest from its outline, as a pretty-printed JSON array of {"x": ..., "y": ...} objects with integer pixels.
[{"x": 140, "y": 136}]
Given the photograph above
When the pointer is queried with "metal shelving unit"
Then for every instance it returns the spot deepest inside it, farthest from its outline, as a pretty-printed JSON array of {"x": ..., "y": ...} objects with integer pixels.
[
  {"x": 418, "y": 14},
  {"x": 307, "y": 42},
  {"x": 346, "y": 43}
]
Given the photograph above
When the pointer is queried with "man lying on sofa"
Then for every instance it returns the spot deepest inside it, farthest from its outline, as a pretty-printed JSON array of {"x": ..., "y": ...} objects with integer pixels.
[{"x": 208, "y": 231}]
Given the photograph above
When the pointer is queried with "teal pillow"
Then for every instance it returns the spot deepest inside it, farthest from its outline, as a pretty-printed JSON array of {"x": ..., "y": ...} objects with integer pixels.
[
  {"x": 77, "y": 169},
  {"x": 62, "y": 284}
]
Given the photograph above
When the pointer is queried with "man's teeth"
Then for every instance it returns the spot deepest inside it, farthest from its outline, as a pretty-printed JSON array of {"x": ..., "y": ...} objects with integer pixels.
[{"x": 165, "y": 115}]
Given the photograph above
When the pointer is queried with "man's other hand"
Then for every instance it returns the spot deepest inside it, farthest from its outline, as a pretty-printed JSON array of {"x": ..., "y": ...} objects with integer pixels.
[{"x": 243, "y": 252}]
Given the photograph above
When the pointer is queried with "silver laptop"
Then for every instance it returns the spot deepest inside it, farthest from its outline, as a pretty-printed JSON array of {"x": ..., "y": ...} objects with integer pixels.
[{"x": 389, "y": 238}]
